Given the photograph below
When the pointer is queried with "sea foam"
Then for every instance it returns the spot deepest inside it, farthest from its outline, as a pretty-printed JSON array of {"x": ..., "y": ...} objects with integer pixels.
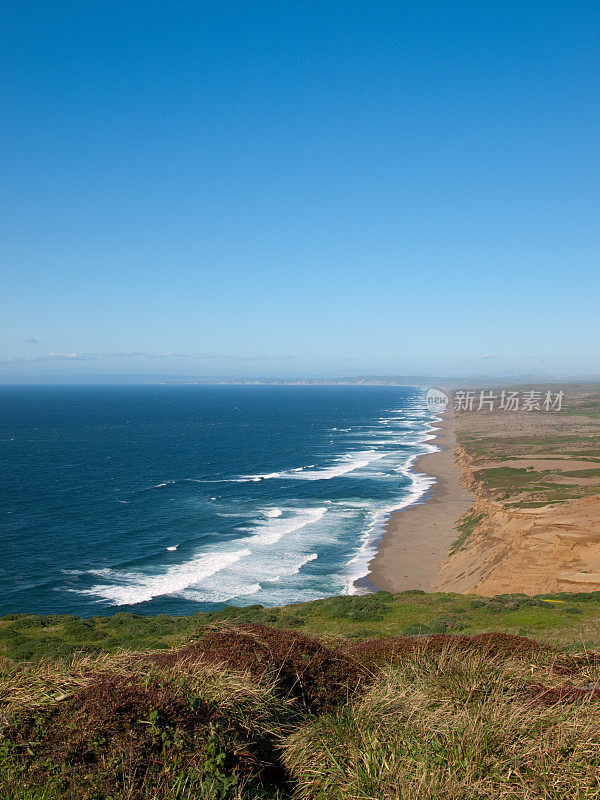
[
  {"x": 349, "y": 462},
  {"x": 279, "y": 541},
  {"x": 220, "y": 575},
  {"x": 358, "y": 565},
  {"x": 265, "y": 533},
  {"x": 129, "y": 588}
]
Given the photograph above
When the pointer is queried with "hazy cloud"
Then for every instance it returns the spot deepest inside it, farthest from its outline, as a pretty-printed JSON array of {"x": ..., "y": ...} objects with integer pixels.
[{"x": 133, "y": 354}]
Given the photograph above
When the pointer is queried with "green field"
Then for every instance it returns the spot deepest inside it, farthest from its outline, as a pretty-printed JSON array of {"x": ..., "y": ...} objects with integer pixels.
[{"x": 566, "y": 620}]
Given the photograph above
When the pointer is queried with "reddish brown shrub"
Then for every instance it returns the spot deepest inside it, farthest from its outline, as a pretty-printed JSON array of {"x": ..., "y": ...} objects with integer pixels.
[
  {"x": 376, "y": 652},
  {"x": 303, "y": 667},
  {"x": 573, "y": 664},
  {"x": 551, "y": 695},
  {"x": 119, "y": 734}
]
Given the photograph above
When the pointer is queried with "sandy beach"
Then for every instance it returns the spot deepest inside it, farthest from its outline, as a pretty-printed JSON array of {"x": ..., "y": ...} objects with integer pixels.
[{"x": 417, "y": 539}]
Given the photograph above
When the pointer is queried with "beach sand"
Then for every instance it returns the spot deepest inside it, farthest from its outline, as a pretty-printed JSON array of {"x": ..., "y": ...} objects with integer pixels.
[{"x": 417, "y": 539}]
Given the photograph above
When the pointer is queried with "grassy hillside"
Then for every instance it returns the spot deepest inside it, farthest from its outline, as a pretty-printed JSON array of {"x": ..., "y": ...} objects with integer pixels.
[
  {"x": 539, "y": 458},
  {"x": 336, "y": 699},
  {"x": 255, "y": 712},
  {"x": 566, "y": 620}
]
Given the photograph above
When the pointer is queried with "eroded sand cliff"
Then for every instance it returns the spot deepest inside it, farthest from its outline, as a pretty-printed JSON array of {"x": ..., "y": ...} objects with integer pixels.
[{"x": 535, "y": 526}]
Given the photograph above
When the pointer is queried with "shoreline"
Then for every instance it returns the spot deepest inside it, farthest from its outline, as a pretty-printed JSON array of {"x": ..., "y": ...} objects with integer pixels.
[{"x": 417, "y": 539}]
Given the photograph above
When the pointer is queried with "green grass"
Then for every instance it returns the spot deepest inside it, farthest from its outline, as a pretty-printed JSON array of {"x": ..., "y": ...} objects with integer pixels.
[
  {"x": 508, "y": 478},
  {"x": 502, "y": 483},
  {"x": 588, "y": 408},
  {"x": 30, "y": 637},
  {"x": 581, "y": 473},
  {"x": 466, "y": 525},
  {"x": 482, "y": 447}
]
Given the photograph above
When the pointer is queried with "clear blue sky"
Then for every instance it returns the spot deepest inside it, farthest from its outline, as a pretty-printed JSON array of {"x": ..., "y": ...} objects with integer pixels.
[{"x": 299, "y": 188}]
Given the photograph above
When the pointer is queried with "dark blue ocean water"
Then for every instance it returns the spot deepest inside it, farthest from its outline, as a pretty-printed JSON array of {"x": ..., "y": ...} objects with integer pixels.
[{"x": 179, "y": 499}]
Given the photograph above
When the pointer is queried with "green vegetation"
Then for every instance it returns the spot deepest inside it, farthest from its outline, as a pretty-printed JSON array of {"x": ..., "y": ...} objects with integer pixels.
[
  {"x": 30, "y": 637},
  {"x": 581, "y": 473},
  {"x": 494, "y": 448},
  {"x": 525, "y": 486},
  {"x": 253, "y": 712},
  {"x": 588, "y": 406},
  {"x": 466, "y": 525}
]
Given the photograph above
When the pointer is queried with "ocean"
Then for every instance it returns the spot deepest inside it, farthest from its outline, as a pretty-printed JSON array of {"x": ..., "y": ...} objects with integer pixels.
[{"x": 177, "y": 499}]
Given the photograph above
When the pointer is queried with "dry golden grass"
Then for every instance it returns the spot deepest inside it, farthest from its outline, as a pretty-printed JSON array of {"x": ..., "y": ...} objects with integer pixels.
[
  {"x": 452, "y": 727},
  {"x": 31, "y": 685},
  {"x": 435, "y": 723}
]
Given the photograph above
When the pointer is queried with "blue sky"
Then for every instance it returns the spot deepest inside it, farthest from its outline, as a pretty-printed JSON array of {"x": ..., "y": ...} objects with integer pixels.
[{"x": 299, "y": 189}]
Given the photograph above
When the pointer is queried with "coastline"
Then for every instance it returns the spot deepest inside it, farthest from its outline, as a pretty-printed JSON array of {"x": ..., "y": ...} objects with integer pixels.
[{"x": 417, "y": 539}]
